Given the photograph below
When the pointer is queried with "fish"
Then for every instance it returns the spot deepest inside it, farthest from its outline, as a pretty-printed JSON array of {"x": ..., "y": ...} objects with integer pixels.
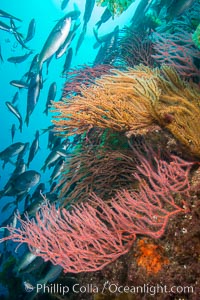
[
  {"x": 13, "y": 222},
  {"x": 51, "y": 275},
  {"x": 139, "y": 14},
  {"x": 19, "y": 59},
  {"x": 31, "y": 71},
  {"x": 89, "y": 6},
  {"x": 80, "y": 39},
  {"x": 53, "y": 156},
  {"x": 31, "y": 31},
  {"x": 13, "y": 130},
  {"x": 15, "y": 112},
  {"x": 57, "y": 36},
  {"x": 5, "y": 27},
  {"x": 57, "y": 141},
  {"x": 62, "y": 152},
  {"x": 68, "y": 61},
  {"x": 49, "y": 128},
  {"x": 37, "y": 202},
  {"x": 52, "y": 137},
  {"x": 14, "y": 27},
  {"x": 53, "y": 185},
  {"x": 5, "y": 208},
  {"x": 64, "y": 4},
  {"x": 104, "y": 38},
  {"x": 34, "y": 148},
  {"x": 108, "y": 49},
  {"x": 34, "y": 88},
  {"x": 104, "y": 18},
  {"x": 55, "y": 39},
  {"x": 47, "y": 64},
  {"x": 33, "y": 266},
  {"x": 34, "y": 206},
  {"x": 61, "y": 51},
  {"x": 25, "y": 261},
  {"x": 20, "y": 167},
  {"x": 1, "y": 57},
  {"x": 10, "y": 151},
  {"x": 4, "y": 14},
  {"x": 27, "y": 201},
  {"x": 23, "y": 152},
  {"x": 26, "y": 180},
  {"x": 51, "y": 97},
  {"x": 38, "y": 191},
  {"x": 20, "y": 84},
  {"x": 18, "y": 37},
  {"x": 178, "y": 7},
  {"x": 15, "y": 98},
  {"x": 57, "y": 170}
]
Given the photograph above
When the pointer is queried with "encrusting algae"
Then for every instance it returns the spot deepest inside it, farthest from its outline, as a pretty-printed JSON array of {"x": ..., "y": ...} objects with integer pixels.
[{"x": 131, "y": 102}]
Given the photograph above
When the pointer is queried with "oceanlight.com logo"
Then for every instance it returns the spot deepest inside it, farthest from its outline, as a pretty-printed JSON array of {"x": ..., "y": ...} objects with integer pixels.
[
  {"x": 28, "y": 287},
  {"x": 108, "y": 287}
]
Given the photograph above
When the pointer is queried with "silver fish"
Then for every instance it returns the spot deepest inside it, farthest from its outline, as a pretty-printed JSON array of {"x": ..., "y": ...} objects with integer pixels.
[
  {"x": 25, "y": 261},
  {"x": 51, "y": 96},
  {"x": 34, "y": 148},
  {"x": 7, "y": 15},
  {"x": 31, "y": 31},
  {"x": 19, "y": 59},
  {"x": 178, "y": 7},
  {"x": 10, "y": 151},
  {"x": 56, "y": 38},
  {"x": 15, "y": 112}
]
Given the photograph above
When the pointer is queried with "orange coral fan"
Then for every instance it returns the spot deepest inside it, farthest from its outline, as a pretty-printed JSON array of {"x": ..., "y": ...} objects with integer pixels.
[
  {"x": 151, "y": 256},
  {"x": 111, "y": 103},
  {"x": 132, "y": 101},
  {"x": 175, "y": 105}
]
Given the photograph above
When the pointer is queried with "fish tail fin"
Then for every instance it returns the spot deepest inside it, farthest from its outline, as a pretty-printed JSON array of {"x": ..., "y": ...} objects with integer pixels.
[
  {"x": 98, "y": 24},
  {"x": 76, "y": 8},
  {"x": 37, "y": 68},
  {"x": 20, "y": 127},
  {"x": 4, "y": 163},
  {"x": 45, "y": 111},
  {"x": 19, "y": 34},
  {"x": 43, "y": 169},
  {"x": 1, "y": 194},
  {"x": 27, "y": 120}
]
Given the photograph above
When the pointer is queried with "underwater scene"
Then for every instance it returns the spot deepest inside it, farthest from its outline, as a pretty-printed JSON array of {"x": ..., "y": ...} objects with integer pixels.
[{"x": 100, "y": 149}]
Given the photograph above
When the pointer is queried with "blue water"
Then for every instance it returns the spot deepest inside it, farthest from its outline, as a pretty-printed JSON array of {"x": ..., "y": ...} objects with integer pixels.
[{"x": 46, "y": 14}]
